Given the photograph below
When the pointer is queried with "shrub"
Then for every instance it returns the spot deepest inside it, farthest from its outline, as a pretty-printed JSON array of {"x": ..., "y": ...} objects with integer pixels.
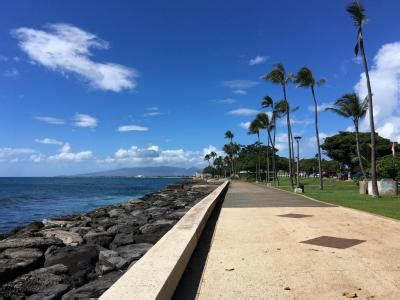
[{"x": 388, "y": 167}]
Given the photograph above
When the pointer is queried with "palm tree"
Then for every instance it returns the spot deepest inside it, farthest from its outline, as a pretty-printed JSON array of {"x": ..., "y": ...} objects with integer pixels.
[
  {"x": 278, "y": 76},
  {"x": 356, "y": 11},
  {"x": 208, "y": 157},
  {"x": 229, "y": 135},
  {"x": 350, "y": 106},
  {"x": 213, "y": 155},
  {"x": 254, "y": 128},
  {"x": 265, "y": 123},
  {"x": 304, "y": 78}
]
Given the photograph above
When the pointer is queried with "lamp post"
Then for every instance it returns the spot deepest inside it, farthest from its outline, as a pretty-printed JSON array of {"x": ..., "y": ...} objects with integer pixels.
[{"x": 298, "y": 138}]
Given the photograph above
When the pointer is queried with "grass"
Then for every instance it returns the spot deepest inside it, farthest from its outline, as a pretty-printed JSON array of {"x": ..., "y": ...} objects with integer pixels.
[{"x": 347, "y": 194}]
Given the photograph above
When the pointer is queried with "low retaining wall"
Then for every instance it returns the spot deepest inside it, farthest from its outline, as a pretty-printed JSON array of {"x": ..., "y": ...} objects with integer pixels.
[{"x": 157, "y": 273}]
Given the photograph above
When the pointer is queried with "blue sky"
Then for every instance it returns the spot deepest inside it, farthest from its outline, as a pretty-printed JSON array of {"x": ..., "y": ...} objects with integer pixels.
[{"x": 94, "y": 85}]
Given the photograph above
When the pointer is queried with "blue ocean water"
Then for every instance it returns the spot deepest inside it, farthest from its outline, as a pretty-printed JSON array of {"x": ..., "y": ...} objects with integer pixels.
[{"x": 23, "y": 200}]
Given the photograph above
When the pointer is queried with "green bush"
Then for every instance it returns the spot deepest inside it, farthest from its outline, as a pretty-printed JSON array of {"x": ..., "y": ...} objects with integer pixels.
[{"x": 388, "y": 167}]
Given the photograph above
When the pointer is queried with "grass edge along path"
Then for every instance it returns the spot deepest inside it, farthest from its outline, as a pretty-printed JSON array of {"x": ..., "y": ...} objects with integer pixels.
[{"x": 346, "y": 194}]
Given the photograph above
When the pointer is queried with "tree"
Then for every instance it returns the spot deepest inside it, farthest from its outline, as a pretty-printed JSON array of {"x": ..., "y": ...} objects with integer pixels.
[
  {"x": 304, "y": 78},
  {"x": 278, "y": 76},
  {"x": 229, "y": 135},
  {"x": 350, "y": 106},
  {"x": 208, "y": 157},
  {"x": 265, "y": 123},
  {"x": 254, "y": 128},
  {"x": 341, "y": 147},
  {"x": 356, "y": 11}
]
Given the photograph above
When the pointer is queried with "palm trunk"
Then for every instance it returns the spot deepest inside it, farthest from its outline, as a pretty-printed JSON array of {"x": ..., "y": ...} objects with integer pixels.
[
  {"x": 273, "y": 154},
  {"x": 321, "y": 182},
  {"x": 375, "y": 192},
  {"x": 358, "y": 149},
  {"x": 289, "y": 135},
  {"x": 259, "y": 157},
  {"x": 267, "y": 176}
]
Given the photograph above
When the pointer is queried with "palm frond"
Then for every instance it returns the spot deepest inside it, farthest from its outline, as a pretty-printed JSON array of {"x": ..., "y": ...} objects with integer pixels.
[
  {"x": 321, "y": 81},
  {"x": 276, "y": 75},
  {"x": 304, "y": 78},
  {"x": 267, "y": 102},
  {"x": 356, "y": 11}
]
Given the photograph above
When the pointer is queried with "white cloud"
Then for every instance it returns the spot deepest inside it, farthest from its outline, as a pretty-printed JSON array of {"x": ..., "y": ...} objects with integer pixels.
[
  {"x": 225, "y": 101},
  {"x": 240, "y": 92},
  {"x": 67, "y": 49},
  {"x": 82, "y": 120},
  {"x": 12, "y": 73},
  {"x": 239, "y": 84},
  {"x": 258, "y": 60},
  {"x": 385, "y": 82},
  {"x": 10, "y": 152},
  {"x": 132, "y": 128},
  {"x": 321, "y": 107},
  {"x": 50, "y": 120},
  {"x": 244, "y": 125},
  {"x": 243, "y": 112},
  {"x": 48, "y": 141},
  {"x": 65, "y": 154},
  {"x": 152, "y": 111}
]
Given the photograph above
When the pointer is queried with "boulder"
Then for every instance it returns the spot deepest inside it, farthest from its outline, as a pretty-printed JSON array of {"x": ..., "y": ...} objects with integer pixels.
[
  {"x": 27, "y": 230},
  {"x": 93, "y": 289},
  {"x": 116, "y": 212},
  {"x": 68, "y": 237},
  {"x": 16, "y": 261},
  {"x": 122, "y": 239},
  {"x": 156, "y": 212},
  {"x": 35, "y": 282},
  {"x": 109, "y": 260},
  {"x": 134, "y": 251},
  {"x": 52, "y": 292},
  {"x": 159, "y": 227},
  {"x": 82, "y": 230},
  {"x": 160, "y": 203},
  {"x": 178, "y": 214},
  {"x": 102, "y": 238},
  {"x": 29, "y": 242}
]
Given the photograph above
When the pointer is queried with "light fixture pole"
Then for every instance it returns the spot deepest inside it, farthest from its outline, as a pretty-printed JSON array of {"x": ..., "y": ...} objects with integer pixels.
[{"x": 298, "y": 138}]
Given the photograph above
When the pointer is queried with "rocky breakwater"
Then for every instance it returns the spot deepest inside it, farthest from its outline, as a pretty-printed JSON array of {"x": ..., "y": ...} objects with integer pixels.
[{"x": 80, "y": 256}]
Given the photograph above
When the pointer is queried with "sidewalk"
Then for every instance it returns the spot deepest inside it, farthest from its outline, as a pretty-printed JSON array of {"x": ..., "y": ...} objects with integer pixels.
[{"x": 258, "y": 253}]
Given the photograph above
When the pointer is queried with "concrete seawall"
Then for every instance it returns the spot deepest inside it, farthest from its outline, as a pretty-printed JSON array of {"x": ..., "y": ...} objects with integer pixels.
[{"x": 157, "y": 273}]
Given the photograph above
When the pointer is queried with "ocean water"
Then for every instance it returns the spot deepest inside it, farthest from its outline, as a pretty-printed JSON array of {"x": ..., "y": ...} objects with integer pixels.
[{"x": 23, "y": 200}]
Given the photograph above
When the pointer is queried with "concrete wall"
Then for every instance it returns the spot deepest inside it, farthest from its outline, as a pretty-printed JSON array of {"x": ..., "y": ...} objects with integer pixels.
[{"x": 157, "y": 273}]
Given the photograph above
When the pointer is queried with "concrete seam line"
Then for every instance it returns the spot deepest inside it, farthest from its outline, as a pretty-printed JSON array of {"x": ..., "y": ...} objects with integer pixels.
[{"x": 157, "y": 273}]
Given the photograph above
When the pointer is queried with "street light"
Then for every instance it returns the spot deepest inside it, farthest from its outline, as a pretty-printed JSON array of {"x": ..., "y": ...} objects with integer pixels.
[{"x": 298, "y": 138}]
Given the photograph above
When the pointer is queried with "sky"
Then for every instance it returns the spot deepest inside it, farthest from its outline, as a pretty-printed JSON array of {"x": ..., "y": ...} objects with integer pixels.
[{"x": 97, "y": 85}]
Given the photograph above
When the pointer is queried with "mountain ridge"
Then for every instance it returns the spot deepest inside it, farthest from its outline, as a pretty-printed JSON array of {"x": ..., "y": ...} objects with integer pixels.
[{"x": 162, "y": 171}]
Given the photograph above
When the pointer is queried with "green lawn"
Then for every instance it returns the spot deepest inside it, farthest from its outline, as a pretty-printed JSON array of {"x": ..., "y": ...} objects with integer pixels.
[{"x": 346, "y": 194}]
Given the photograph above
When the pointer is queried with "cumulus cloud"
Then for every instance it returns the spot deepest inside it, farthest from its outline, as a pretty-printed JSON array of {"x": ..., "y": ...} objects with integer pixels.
[
  {"x": 153, "y": 156},
  {"x": 385, "y": 82},
  {"x": 126, "y": 128},
  {"x": 48, "y": 141},
  {"x": 82, "y": 120},
  {"x": 243, "y": 112},
  {"x": 244, "y": 125},
  {"x": 226, "y": 101},
  {"x": 239, "y": 84},
  {"x": 66, "y": 154},
  {"x": 50, "y": 120},
  {"x": 67, "y": 49},
  {"x": 258, "y": 60}
]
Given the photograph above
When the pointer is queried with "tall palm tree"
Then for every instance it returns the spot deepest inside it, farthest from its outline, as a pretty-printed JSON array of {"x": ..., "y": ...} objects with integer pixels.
[
  {"x": 208, "y": 157},
  {"x": 229, "y": 135},
  {"x": 213, "y": 155},
  {"x": 278, "y": 76},
  {"x": 304, "y": 78},
  {"x": 254, "y": 128},
  {"x": 356, "y": 11},
  {"x": 351, "y": 106},
  {"x": 266, "y": 124}
]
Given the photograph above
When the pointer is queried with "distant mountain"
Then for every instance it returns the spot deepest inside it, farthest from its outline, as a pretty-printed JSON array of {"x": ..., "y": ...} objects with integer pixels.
[{"x": 144, "y": 171}]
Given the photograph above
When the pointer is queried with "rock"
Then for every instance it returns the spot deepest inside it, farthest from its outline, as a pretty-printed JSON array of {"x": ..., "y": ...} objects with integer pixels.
[
  {"x": 98, "y": 238},
  {"x": 161, "y": 203},
  {"x": 110, "y": 260},
  {"x": 68, "y": 237},
  {"x": 81, "y": 230},
  {"x": 93, "y": 289},
  {"x": 16, "y": 261},
  {"x": 159, "y": 226},
  {"x": 55, "y": 223},
  {"x": 350, "y": 295},
  {"x": 134, "y": 251},
  {"x": 52, "y": 292},
  {"x": 26, "y": 230},
  {"x": 122, "y": 239},
  {"x": 176, "y": 215},
  {"x": 29, "y": 242},
  {"x": 35, "y": 282},
  {"x": 116, "y": 212},
  {"x": 80, "y": 260},
  {"x": 156, "y": 212}
]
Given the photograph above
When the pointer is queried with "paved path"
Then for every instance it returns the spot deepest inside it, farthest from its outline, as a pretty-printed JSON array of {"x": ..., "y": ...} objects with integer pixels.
[{"x": 258, "y": 254}]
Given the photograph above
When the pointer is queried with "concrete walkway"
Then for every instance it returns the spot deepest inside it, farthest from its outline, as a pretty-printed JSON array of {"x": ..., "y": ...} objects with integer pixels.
[{"x": 259, "y": 253}]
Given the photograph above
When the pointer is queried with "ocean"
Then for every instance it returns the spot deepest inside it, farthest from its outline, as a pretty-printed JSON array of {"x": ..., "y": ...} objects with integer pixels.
[{"x": 23, "y": 200}]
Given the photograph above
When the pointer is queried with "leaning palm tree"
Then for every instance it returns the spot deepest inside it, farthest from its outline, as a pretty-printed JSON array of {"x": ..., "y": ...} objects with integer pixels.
[
  {"x": 356, "y": 11},
  {"x": 229, "y": 135},
  {"x": 278, "y": 76},
  {"x": 350, "y": 106},
  {"x": 304, "y": 78},
  {"x": 254, "y": 128}
]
